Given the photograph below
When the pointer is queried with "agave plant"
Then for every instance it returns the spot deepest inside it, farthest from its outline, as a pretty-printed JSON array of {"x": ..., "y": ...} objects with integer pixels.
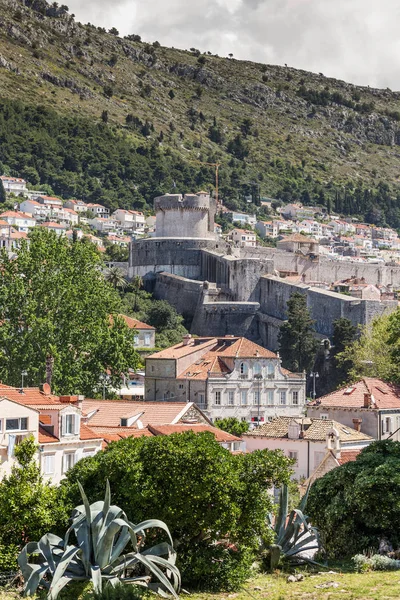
[
  {"x": 293, "y": 532},
  {"x": 102, "y": 533}
]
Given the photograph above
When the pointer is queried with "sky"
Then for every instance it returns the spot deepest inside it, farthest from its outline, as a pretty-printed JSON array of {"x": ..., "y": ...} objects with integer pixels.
[{"x": 354, "y": 40}]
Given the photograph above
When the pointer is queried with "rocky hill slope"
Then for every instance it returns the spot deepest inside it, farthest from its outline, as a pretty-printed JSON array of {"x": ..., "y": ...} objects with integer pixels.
[{"x": 277, "y": 131}]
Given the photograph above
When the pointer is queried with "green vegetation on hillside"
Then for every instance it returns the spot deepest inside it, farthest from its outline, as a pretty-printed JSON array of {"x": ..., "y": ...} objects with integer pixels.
[{"x": 133, "y": 119}]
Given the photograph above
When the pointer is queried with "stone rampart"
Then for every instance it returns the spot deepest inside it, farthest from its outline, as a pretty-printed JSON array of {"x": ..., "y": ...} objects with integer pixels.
[{"x": 183, "y": 294}]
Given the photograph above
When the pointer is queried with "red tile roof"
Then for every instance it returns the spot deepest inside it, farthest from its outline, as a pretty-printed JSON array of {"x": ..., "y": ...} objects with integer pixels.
[
  {"x": 298, "y": 237},
  {"x": 347, "y": 456},
  {"x": 313, "y": 429},
  {"x": 45, "y": 437},
  {"x": 220, "y": 436},
  {"x": 383, "y": 395},
  {"x": 110, "y": 412},
  {"x": 88, "y": 434},
  {"x": 30, "y": 396},
  {"x": 45, "y": 419},
  {"x": 114, "y": 434},
  {"x": 228, "y": 346},
  {"x": 53, "y": 225},
  {"x": 134, "y": 323}
]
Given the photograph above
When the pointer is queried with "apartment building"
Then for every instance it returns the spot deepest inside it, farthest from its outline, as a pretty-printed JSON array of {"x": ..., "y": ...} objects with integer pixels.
[
  {"x": 13, "y": 185},
  {"x": 226, "y": 377},
  {"x": 244, "y": 238},
  {"x": 129, "y": 219}
]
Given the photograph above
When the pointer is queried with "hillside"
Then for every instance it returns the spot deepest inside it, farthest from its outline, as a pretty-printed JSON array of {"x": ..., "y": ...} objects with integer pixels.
[{"x": 142, "y": 115}]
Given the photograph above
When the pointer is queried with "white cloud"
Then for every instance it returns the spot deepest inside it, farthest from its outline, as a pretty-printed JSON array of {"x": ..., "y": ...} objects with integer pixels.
[{"x": 355, "y": 40}]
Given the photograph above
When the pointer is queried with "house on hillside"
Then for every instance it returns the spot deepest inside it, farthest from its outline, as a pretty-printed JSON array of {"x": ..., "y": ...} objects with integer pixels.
[
  {"x": 56, "y": 424},
  {"x": 144, "y": 335},
  {"x": 78, "y": 206},
  {"x": 23, "y": 221},
  {"x": 57, "y": 228},
  {"x": 98, "y": 210},
  {"x": 14, "y": 185},
  {"x": 307, "y": 441},
  {"x": 226, "y": 377},
  {"x": 299, "y": 244},
  {"x": 129, "y": 219},
  {"x": 370, "y": 403},
  {"x": 244, "y": 238}
]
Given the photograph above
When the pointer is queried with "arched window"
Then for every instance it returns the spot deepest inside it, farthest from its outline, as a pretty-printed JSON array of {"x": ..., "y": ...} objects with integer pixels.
[
  {"x": 244, "y": 369},
  {"x": 257, "y": 369}
]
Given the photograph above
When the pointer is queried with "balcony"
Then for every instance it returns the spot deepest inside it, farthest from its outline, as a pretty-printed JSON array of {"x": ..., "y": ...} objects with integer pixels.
[{"x": 244, "y": 376}]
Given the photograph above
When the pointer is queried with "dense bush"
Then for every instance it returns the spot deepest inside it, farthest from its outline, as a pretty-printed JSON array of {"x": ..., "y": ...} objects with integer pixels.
[
  {"x": 377, "y": 562},
  {"x": 213, "y": 502},
  {"x": 358, "y": 503}
]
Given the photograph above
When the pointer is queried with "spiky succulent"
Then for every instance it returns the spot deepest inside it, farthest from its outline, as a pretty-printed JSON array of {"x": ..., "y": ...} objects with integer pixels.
[
  {"x": 102, "y": 533},
  {"x": 293, "y": 532}
]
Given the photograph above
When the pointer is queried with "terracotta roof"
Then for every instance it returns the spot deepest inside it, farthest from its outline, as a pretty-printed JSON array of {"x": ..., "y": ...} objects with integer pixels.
[
  {"x": 220, "y": 436},
  {"x": 30, "y": 396},
  {"x": 313, "y": 429},
  {"x": 110, "y": 412},
  {"x": 45, "y": 437},
  {"x": 347, "y": 456},
  {"x": 113, "y": 434},
  {"x": 45, "y": 419},
  {"x": 383, "y": 395},
  {"x": 53, "y": 225},
  {"x": 16, "y": 179},
  {"x": 135, "y": 324},
  {"x": 229, "y": 347},
  {"x": 15, "y": 214},
  {"x": 298, "y": 237},
  {"x": 88, "y": 434}
]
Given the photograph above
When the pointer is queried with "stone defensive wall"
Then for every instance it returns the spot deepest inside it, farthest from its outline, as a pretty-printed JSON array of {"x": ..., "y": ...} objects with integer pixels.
[
  {"x": 184, "y": 294},
  {"x": 177, "y": 256},
  {"x": 324, "y": 268},
  {"x": 226, "y": 318},
  {"x": 325, "y": 307}
]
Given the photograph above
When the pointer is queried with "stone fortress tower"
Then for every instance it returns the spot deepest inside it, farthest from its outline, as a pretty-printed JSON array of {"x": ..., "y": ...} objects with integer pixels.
[{"x": 188, "y": 216}]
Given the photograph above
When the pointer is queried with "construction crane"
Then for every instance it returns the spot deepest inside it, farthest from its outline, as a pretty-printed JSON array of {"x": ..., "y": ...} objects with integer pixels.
[{"x": 208, "y": 164}]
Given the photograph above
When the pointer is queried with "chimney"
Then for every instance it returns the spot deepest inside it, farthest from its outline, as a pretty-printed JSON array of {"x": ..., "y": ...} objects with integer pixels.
[
  {"x": 187, "y": 339},
  {"x": 357, "y": 424},
  {"x": 367, "y": 400}
]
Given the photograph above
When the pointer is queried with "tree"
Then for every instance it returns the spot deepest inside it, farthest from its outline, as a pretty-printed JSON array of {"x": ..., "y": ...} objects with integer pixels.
[
  {"x": 171, "y": 94},
  {"x": 297, "y": 344},
  {"x": 371, "y": 354},
  {"x": 344, "y": 333},
  {"x": 55, "y": 302},
  {"x": 232, "y": 425},
  {"x": 115, "y": 276},
  {"x": 104, "y": 116},
  {"x": 3, "y": 196},
  {"x": 237, "y": 147},
  {"x": 113, "y": 31},
  {"x": 358, "y": 503},
  {"x": 209, "y": 497},
  {"x": 28, "y": 506}
]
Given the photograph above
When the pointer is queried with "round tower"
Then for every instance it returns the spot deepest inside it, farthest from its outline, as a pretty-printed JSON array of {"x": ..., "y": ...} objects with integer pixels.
[{"x": 188, "y": 216}]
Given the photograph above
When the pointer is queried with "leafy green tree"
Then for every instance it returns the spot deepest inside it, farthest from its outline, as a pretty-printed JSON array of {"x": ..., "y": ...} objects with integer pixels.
[
  {"x": 297, "y": 344},
  {"x": 55, "y": 302},
  {"x": 237, "y": 147},
  {"x": 371, "y": 354},
  {"x": 3, "y": 196},
  {"x": 344, "y": 333},
  {"x": 28, "y": 506},
  {"x": 358, "y": 503},
  {"x": 232, "y": 425},
  {"x": 203, "y": 492}
]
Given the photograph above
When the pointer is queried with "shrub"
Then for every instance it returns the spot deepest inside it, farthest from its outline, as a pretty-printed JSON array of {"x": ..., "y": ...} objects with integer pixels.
[
  {"x": 208, "y": 497},
  {"x": 377, "y": 562},
  {"x": 358, "y": 503}
]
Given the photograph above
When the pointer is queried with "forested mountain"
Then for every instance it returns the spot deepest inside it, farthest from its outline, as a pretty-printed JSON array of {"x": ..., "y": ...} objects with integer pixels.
[{"x": 118, "y": 120}]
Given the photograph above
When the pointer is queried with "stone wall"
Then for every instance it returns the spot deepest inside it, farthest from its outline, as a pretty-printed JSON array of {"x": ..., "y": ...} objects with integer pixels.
[
  {"x": 178, "y": 256},
  {"x": 183, "y": 294},
  {"x": 226, "y": 318}
]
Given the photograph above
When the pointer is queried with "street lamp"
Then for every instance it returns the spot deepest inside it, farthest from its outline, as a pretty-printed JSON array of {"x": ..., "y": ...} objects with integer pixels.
[
  {"x": 314, "y": 375},
  {"x": 258, "y": 377},
  {"x": 23, "y": 374}
]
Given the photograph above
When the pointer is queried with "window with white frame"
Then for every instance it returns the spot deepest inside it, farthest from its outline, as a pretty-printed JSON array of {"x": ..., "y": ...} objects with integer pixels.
[
  {"x": 20, "y": 424},
  {"x": 295, "y": 398},
  {"x": 201, "y": 398},
  {"x": 257, "y": 398},
  {"x": 69, "y": 424},
  {"x": 244, "y": 397},
  {"x": 270, "y": 370},
  {"x": 270, "y": 397},
  {"x": 282, "y": 398},
  {"x": 69, "y": 461},
  {"x": 147, "y": 339},
  {"x": 257, "y": 369},
  {"x": 236, "y": 446},
  {"x": 231, "y": 398},
  {"x": 218, "y": 398},
  {"x": 49, "y": 464},
  {"x": 244, "y": 369},
  {"x": 293, "y": 454}
]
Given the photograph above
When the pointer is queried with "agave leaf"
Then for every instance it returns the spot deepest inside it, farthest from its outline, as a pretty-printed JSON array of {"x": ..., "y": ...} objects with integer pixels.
[
  {"x": 32, "y": 583},
  {"x": 120, "y": 543},
  {"x": 304, "y": 500},
  {"x": 56, "y": 588},
  {"x": 283, "y": 510},
  {"x": 23, "y": 558},
  {"x": 148, "y": 562},
  {"x": 96, "y": 578},
  {"x": 141, "y": 527},
  {"x": 45, "y": 547},
  {"x": 160, "y": 549},
  {"x": 69, "y": 554},
  {"x": 174, "y": 572}
]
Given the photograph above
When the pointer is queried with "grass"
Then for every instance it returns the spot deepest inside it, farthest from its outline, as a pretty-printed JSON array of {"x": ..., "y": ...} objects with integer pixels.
[{"x": 351, "y": 586}]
